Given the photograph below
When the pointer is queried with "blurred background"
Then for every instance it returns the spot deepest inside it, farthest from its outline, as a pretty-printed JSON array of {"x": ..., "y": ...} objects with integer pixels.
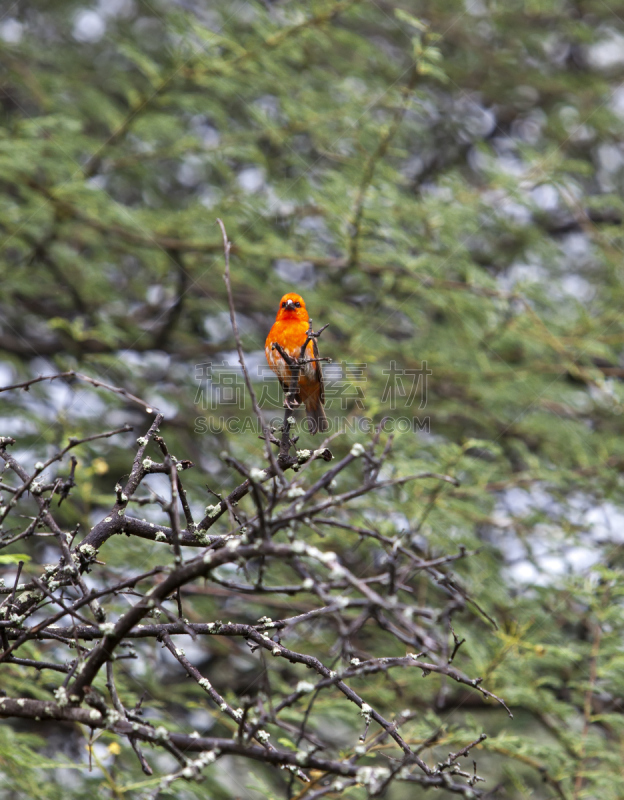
[{"x": 443, "y": 183}]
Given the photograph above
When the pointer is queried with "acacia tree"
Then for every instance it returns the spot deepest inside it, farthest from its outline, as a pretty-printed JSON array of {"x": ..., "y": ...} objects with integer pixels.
[
  {"x": 102, "y": 633},
  {"x": 443, "y": 183}
]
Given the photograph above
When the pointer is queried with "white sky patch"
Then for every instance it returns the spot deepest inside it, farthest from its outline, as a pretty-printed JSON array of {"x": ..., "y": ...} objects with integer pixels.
[
  {"x": 608, "y": 53},
  {"x": 11, "y": 31},
  {"x": 89, "y": 26}
]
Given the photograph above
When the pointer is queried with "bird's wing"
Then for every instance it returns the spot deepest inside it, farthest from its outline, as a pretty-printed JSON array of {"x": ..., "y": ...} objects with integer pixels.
[{"x": 319, "y": 371}]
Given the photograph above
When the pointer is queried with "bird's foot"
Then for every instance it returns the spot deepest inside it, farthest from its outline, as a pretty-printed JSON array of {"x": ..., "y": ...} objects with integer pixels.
[{"x": 291, "y": 403}]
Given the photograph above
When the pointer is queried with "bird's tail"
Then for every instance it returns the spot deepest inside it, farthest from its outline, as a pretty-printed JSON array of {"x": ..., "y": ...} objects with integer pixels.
[{"x": 317, "y": 421}]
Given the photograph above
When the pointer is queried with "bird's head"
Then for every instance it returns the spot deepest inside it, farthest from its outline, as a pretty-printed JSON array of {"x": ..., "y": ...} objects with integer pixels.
[{"x": 292, "y": 307}]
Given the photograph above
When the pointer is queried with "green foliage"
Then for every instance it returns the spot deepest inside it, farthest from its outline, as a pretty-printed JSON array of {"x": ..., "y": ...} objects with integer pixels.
[
  {"x": 443, "y": 181},
  {"x": 13, "y": 558}
]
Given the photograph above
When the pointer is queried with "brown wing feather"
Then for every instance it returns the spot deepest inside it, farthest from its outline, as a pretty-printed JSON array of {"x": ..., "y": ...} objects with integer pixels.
[{"x": 319, "y": 371}]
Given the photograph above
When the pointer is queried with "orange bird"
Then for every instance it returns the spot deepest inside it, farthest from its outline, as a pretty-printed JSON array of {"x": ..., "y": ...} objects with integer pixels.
[{"x": 290, "y": 332}]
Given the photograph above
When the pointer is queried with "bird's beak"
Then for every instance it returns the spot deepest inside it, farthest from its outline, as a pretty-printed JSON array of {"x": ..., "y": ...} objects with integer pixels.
[{"x": 290, "y": 306}]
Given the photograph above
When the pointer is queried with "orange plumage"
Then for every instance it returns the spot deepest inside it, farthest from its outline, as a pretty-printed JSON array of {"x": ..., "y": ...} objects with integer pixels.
[{"x": 290, "y": 332}]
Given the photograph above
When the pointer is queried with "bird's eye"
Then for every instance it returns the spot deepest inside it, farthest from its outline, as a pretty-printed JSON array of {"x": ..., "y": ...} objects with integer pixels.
[
  {"x": 297, "y": 305},
  {"x": 283, "y": 305}
]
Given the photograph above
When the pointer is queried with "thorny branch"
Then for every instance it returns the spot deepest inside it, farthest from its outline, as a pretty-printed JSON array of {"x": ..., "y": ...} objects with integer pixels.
[{"x": 79, "y": 629}]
